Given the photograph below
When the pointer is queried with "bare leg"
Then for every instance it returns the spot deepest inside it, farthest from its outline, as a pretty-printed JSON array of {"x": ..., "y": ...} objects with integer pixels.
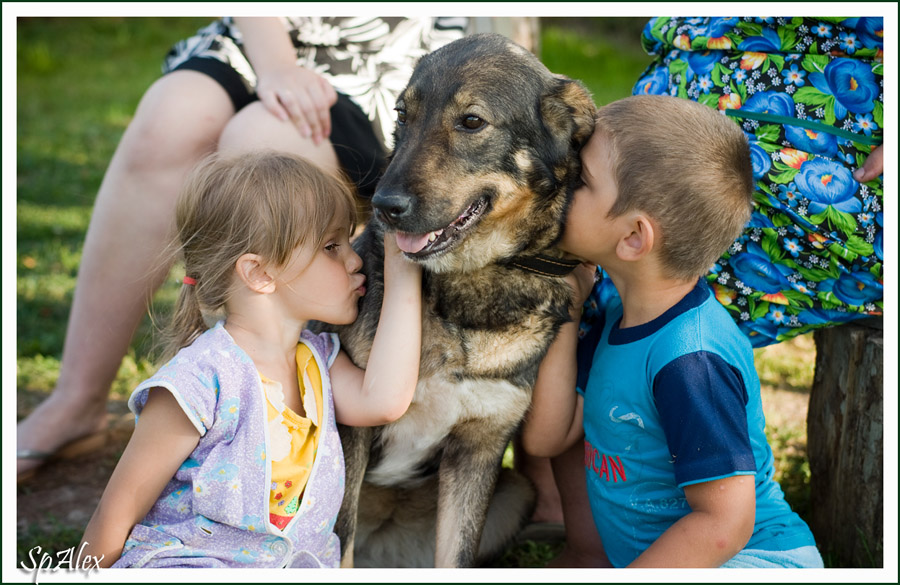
[
  {"x": 178, "y": 121},
  {"x": 547, "y": 505},
  {"x": 254, "y": 128},
  {"x": 583, "y": 545}
]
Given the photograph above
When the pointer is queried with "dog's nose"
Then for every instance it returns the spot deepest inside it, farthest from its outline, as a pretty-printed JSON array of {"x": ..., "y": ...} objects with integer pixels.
[{"x": 392, "y": 207}]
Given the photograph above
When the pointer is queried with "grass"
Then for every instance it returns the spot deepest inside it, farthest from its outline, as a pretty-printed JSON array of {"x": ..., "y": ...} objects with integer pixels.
[{"x": 79, "y": 81}]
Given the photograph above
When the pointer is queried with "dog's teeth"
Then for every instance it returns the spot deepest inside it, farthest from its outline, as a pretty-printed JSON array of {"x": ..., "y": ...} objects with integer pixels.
[{"x": 432, "y": 237}]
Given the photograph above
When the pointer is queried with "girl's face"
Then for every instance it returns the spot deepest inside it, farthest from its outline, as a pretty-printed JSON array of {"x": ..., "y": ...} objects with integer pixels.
[{"x": 324, "y": 284}]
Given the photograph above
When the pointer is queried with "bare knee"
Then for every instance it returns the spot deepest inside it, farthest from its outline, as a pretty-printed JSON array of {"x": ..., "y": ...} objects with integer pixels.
[{"x": 178, "y": 122}]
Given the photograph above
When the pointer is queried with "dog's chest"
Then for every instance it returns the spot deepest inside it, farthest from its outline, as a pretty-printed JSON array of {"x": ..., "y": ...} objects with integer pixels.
[{"x": 439, "y": 405}]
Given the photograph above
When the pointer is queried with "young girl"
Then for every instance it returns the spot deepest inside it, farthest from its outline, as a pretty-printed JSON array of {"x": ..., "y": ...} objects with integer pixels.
[{"x": 235, "y": 460}]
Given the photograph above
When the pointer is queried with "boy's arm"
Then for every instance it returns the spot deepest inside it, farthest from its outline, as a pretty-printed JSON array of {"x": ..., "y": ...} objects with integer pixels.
[
  {"x": 382, "y": 392},
  {"x": 718, "y": 527},
  {"x": 163, "y": 438},
  {"x": 554, "y": 422}
]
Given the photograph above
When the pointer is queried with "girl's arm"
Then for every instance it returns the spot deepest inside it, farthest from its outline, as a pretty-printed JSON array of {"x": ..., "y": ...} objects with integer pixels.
[
  {"x": 163, "y": 438},
  {"x": 554, "y": 422},
  {"x": 288, "y": 91},
  {"x": 382, "y": 392},
  {"x": 720, "y": 524}
]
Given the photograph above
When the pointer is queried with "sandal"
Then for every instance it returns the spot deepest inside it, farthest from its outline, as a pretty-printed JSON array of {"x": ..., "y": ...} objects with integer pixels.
[{"x": 75, "y": 448}]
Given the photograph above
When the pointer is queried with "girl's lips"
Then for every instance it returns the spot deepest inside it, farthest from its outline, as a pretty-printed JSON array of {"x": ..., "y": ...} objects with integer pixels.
[{"x": 361, "y": 289}]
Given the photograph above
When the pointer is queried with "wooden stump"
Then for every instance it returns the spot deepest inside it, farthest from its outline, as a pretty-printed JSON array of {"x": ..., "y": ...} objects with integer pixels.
[{"x": 845, "y": 430}]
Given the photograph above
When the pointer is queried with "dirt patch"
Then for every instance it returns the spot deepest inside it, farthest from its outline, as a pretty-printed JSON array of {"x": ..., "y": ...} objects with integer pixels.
[{"x": 65, "y": 492}]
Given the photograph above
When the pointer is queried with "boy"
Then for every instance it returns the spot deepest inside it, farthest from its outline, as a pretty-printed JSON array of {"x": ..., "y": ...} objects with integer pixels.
[{"x": 678, "y": 469}]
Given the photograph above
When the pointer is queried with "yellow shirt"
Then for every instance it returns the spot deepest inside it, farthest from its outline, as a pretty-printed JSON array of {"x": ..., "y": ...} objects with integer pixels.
[{"x": 293, "y": 439}]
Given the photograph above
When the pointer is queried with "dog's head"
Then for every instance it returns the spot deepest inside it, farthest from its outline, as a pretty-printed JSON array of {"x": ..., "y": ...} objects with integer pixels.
[{"x": 486, "y": 155}]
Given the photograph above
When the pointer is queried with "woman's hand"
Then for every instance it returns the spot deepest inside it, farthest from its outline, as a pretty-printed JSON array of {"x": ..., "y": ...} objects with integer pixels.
[
  {"x": 873, "y": 166},
  {"x": 289, "y": 92},
  {"x": 302, "y": 96}
]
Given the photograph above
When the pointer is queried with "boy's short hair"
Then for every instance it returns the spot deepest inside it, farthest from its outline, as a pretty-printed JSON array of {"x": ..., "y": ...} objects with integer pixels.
[{"x": 685, "y": 165}]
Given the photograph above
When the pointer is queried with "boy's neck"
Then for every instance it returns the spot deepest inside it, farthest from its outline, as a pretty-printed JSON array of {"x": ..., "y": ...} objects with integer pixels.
[{"x": 644, "y": 298}]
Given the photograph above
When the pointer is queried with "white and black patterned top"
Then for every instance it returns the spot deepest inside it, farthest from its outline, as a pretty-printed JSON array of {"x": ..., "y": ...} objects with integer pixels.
[{"x": 369, "y": 59}]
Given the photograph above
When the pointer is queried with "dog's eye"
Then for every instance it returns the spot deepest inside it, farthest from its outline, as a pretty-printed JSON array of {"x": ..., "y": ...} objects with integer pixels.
[
  {"x": 401, "y": 116},
  {"x": 472, "y": 123}
]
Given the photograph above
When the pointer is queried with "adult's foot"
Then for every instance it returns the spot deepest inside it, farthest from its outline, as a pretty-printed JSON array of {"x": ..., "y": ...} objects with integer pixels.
[{"x": 58, "y": 427}]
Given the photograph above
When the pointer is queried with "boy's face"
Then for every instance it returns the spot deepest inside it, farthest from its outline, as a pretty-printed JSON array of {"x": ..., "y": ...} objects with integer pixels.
[{"x": 587, "y": 233}]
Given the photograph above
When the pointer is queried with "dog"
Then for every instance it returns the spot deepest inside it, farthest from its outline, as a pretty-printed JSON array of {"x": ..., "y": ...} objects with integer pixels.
[{"x": 484, "y": 164}]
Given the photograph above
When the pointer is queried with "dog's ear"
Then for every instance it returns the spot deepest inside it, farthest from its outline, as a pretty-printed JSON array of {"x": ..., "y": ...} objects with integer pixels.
[{"x": 568, "y": 113}]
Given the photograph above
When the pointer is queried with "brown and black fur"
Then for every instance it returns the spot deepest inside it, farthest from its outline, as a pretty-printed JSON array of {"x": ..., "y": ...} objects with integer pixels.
[{"x": 419, "y": 490}]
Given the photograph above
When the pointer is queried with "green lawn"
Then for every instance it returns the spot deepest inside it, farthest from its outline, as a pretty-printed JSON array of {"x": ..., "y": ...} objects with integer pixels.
[{"x": 79, "y": 81}]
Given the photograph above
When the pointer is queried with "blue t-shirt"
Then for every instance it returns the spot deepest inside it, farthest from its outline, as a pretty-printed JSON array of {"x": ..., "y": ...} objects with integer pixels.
[{"x": 667, "y": 404}]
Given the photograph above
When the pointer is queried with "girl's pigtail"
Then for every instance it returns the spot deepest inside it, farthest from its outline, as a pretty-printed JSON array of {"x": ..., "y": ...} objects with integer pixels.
[{"x": 187, "y": 321}]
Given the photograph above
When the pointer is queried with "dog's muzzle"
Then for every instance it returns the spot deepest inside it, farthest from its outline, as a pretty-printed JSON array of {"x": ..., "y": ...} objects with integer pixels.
[{"x": 392, "y": 208}]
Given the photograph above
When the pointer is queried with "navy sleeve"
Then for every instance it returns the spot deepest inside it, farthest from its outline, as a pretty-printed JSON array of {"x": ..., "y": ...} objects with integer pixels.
[{"x": 702, "y": 402}]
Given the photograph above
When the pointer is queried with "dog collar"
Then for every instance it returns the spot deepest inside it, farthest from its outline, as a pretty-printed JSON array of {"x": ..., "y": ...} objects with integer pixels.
[{"x": 544, "y": 265}]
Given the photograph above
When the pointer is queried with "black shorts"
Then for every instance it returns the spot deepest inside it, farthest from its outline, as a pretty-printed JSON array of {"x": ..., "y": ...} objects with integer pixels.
[{"x": 359, "y": 151}]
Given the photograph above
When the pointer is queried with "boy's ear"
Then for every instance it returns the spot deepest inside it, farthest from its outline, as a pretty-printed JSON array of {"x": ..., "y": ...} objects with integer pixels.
[
  {"x": 639, "y": 240},
  {"x": 253, "y": 272}
]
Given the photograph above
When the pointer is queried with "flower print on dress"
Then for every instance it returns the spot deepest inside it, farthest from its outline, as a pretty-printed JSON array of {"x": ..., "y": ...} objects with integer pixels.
[
  {"x": 223, "y": 472},
  {"x": 865, "y": 124},
  {"x": 244, "y": 555},
  {"x": 654, "y": 84},
  {"x": 794, "y": 76},
  {"x": 871, "y": 32},
  {"x": 823, "y": 30},
  {"x": 798, "y": 207},
  {"x": 852, "y": 84},
  {"x": 858, "y": 288},
  {"x": 771, "y": 102},
  {"x": 768, "y": 42},
  {"x": 252, "y": 523},
  {"x": 813, "y": 141},
  {"x": 755, "y": 269},
  {"x": 828, "y": 184},
  {"x": 760, "y": 160}
]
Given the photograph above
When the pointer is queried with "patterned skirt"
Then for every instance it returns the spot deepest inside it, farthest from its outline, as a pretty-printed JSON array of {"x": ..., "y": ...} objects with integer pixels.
[{"x": 808, "y": 93}]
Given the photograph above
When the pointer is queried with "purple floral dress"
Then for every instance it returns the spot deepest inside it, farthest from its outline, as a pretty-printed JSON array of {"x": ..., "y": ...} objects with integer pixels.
[
  {"x": 808, "y": 92},
  {"x": 214, "y": 512}
]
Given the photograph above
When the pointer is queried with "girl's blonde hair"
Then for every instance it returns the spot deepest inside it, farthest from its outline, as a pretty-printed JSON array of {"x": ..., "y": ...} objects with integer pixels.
[{"x": 266, "y": 203}]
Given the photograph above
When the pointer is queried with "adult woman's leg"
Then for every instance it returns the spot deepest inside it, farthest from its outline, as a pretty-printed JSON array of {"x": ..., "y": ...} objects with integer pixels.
[
  {"x": 254, "y": 127},
  {"x": 177, "y": 122}
]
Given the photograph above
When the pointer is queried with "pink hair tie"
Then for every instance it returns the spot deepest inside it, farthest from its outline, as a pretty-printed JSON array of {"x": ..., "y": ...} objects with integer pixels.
[{"x": 189, "y": 281}]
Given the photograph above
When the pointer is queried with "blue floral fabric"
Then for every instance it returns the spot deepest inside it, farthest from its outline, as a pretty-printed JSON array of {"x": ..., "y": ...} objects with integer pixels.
[{"x": 808, "y": 93}]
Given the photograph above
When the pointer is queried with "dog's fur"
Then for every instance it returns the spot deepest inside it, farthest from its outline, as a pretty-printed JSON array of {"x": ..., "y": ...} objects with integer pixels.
[{"x": 486, "y": 148}]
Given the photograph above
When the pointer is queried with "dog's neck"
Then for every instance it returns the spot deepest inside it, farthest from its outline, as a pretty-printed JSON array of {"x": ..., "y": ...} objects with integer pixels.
[{"x": 544, "y": 264}]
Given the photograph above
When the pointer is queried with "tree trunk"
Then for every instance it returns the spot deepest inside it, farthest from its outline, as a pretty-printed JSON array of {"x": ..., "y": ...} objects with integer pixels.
[{"x": 845, "y": 430}]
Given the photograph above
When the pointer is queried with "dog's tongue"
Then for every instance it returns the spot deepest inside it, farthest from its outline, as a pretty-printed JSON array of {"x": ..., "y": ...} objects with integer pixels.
[{"x": 411, "y": 243}]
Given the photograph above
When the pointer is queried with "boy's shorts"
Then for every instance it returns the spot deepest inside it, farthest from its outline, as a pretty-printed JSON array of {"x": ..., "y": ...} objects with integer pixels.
[
  {"x": 359, "y": 151},
  {"x": 805, "y": 557}
]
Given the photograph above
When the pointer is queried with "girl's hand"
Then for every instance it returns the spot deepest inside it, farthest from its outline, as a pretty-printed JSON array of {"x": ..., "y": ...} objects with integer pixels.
[
  {"x": 396, "y": 263},
  {"x": 301, "y": 96}
]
